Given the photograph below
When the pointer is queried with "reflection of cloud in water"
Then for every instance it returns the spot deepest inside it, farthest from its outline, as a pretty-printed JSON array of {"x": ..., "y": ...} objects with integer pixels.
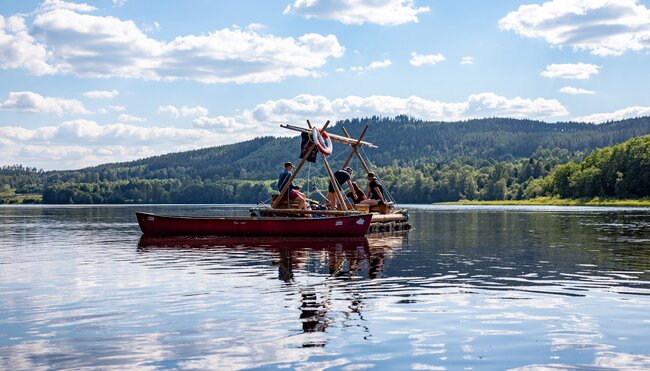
[
  {"x": 603, "y": 360},
  {"x": 428, "y": 343},
  {"x": 247, "y": 353}
]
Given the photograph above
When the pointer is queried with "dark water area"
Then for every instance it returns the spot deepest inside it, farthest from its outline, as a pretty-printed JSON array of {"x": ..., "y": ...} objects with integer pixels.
[{"x": 471, "y": 288}]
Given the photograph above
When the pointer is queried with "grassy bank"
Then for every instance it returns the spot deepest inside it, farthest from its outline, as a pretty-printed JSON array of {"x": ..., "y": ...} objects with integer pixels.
[
  {"x": 9, "y": 196},
  {"x": 546, "y": 201}
]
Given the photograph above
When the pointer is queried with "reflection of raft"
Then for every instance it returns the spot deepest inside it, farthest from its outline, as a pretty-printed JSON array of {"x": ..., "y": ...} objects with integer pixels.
[{"x": 241, "y": 242}]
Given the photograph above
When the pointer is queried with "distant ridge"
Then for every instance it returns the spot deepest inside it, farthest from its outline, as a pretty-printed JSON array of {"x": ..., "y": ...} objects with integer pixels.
[
  {"x": 401, "y": 139},
  {"x": 421, "y": 161}
]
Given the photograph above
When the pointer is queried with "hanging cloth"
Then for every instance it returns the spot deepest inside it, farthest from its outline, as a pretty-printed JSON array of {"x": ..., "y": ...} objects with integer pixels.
[{"x": 304, "y": 147}]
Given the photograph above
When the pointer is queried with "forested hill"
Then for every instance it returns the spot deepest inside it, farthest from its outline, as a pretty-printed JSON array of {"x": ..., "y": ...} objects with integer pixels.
[
  {"x": 401, "y": 140},
  {"x": 421, "y": 161}
]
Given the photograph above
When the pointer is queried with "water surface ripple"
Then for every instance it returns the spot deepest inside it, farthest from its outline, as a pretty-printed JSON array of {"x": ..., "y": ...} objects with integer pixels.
[{"x": 467, "y": 288}]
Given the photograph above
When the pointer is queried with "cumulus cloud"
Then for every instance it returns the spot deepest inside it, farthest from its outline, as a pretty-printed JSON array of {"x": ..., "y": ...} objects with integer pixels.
[
  {"x": 130, "y": 118},
  {"x": 575, "y": 91},
  {"x": 577, "y": 71},
  {"x": 222, "y": 123},
  {"x": 79, "y": 143},
  {"x": 28, "y": 101},
  {"x": 372, "y": 66},
  {"x": 98, "y": 94},
  {"x": 625, "y": 113},
  {"x": 49, "y": 5},
  {"x": 184, "y": 111},
  {"x": 358, "y": 12},
  {"x": 111, "y": 108},
  {"x": 266, "y": 117},
  {"x": 65, "y": 39},
  {"x": 467, "y": 60},
  {"x": 255, "y": 27},
  {"x": 379, "y": 64},
  {"x": 419, "y": 59},
  {"x": 18, "y": 49},
  {"x": 602, "y": 27}
]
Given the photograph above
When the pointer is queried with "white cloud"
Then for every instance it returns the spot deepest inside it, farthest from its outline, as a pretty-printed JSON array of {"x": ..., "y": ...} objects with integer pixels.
[
  {"x": 130, "y": 118},
  {"x": 18, "y": 49},
  {"x": 490, "y": 104},
  {"x": 98, "y": 94},
  {"x": 255, "y": 27},
  {"x": 625, "y": 113},
  {"x": 64, "y": 39},
  {"x": 119, "y": 3},
  {"x": 372, "y": 66},
  {"x": 467, "y": 60},
  {"x": 419, "y": 59},
  {"x": 358, "y": 12},
  {"x": 49, "y": 5},
  {"x": 79, "y": 143},
  {"x": 150, "y": 28},
  {"x": 184, "y": 111},
  {"x": 266, "y": 117},
  {"x": 111, "y": 108},
  {"x": 577, "y": 71},
  {"x": 603, "y": 27},
  {"x": 380, "y": 64},
  {"x": 28, "y": 101},
  {"x": 221, "y": 123},
  {"x": 575, "y": 91}
]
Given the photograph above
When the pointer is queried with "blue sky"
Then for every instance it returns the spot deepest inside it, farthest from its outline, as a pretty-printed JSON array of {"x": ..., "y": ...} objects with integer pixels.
[{"x": 85, "y": 83}]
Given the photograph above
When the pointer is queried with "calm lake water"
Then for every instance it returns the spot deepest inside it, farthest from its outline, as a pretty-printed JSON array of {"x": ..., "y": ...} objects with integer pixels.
[{"x": 469, "y": 288}]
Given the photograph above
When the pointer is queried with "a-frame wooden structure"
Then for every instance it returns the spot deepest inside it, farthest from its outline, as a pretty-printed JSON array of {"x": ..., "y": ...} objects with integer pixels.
[{"x": 347, "y": 139}]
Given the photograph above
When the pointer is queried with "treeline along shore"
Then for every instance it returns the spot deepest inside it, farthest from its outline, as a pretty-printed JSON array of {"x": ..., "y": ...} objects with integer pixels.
[{"x": 418, "y": 161}]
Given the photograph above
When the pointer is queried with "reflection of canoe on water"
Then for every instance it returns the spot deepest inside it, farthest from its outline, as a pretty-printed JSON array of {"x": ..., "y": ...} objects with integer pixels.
[
  {"x": 292, "y": 243},
  {"x": 339, "y": 226}
]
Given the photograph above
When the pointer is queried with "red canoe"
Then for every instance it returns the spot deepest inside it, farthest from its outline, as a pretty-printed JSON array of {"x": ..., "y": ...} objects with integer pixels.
[{"x": 340, "y": 226}]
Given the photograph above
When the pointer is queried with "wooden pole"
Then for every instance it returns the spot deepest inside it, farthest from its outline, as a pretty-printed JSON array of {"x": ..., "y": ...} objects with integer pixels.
[
  {"x": 293, "y": 176},
  {"x": 337, "y": 189},
  {"x": 334, "y": 137},
  {"x": 354, "y": 146},
  {"x": 296, "y": 211},
  {"x": 355, "y": 151},
  {"x": 295, "y": 173}
]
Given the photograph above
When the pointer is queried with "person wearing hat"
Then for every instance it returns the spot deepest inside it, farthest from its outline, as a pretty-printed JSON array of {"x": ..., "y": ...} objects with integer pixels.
[
  {"x": 375, "y": 191},
  {"x": 341, "y": 176},
  {"x": 294, "y": 190}
]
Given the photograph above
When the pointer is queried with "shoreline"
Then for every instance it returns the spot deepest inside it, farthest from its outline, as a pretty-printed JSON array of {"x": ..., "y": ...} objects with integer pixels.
[{"x": 547, "y": 201}]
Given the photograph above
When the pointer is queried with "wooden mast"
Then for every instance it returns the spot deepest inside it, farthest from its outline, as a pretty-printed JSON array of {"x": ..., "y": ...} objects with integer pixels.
[{"x": 355, "y": 150}]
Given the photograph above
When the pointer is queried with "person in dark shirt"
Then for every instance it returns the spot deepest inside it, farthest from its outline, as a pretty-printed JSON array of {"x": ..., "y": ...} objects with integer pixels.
[
  {"x": 342, "y": 176},
  {"x": 375, "y": 190},
  {"x": 294, "y": 190}
]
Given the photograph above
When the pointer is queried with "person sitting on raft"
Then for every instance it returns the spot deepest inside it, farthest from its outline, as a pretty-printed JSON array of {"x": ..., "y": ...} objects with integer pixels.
[
  {"x": 294, "y": 190},
  {"x": 375, "y": 190}
]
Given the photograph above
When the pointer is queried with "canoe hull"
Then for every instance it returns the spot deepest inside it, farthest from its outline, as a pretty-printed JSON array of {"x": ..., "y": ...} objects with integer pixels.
[{"x": 344, "y": 226}]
